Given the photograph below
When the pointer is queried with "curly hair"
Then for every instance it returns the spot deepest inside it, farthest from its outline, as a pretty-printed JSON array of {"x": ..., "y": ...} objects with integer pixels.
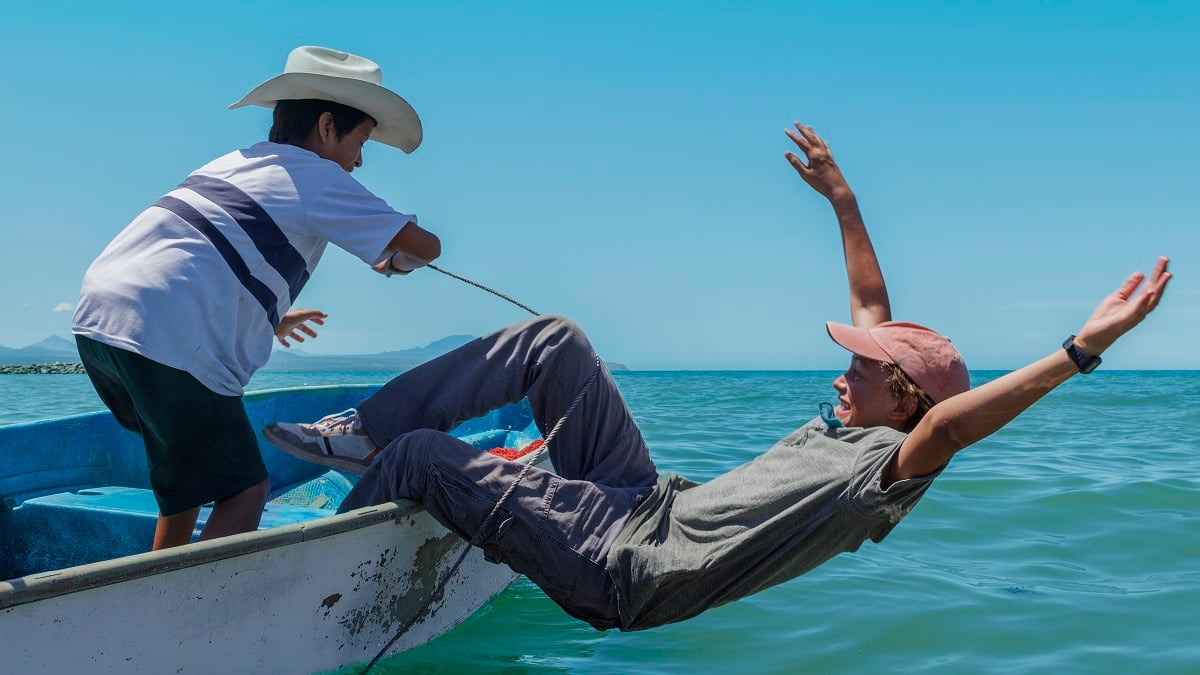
[{"x": 903, "y": 388}]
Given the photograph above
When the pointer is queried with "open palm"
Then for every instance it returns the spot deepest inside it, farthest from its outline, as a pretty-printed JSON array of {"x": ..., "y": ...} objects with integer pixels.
[{"x": 1122, "y": 310}]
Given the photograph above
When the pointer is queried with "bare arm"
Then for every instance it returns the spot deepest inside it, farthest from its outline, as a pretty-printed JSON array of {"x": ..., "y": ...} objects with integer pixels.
[
  {"x": 869, "y": 304},
  {"x": 412, "y": 247},
  {"x": 971, "y": 416}
]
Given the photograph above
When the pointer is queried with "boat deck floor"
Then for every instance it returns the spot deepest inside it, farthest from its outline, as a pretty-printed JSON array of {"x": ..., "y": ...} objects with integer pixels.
[{"x": 85, "y": 526}]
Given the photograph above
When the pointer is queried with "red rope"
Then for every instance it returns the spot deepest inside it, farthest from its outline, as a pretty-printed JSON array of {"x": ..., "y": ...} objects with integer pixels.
[{"x": 514, "y": 453}]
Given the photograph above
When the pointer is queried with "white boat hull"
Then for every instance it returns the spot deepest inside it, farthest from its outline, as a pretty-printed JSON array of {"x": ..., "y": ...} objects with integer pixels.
[
  {"x": 309, "y": 591},
  {"x": 298, "y": 599}
]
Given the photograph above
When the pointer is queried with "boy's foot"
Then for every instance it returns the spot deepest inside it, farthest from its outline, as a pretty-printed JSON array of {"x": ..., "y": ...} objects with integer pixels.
[{"x": 335, "y": 440}]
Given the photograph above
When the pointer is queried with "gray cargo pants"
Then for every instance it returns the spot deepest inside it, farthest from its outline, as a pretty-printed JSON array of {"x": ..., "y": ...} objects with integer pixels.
[{"x": 555, "y": 528}]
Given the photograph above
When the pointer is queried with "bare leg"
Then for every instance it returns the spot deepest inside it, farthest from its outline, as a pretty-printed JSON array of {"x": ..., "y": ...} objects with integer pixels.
[
  {"x": 175, "y": 529},
  {"x": 237, "y": 514}
]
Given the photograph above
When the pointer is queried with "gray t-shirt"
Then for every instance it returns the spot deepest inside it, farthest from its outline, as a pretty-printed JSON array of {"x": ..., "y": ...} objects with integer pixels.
[{"x": 815, "y": 494}]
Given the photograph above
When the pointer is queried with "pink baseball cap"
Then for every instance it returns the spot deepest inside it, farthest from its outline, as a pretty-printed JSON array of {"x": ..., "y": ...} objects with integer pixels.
[{"x": 923, "y": 354}]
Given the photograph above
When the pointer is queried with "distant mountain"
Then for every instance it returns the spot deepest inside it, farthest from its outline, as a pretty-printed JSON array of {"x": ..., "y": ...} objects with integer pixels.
[
  {"x": 53, "y": 349},
  {"x": 435, "y": 348},
  {"x": 55, "y": 343},
  {"x": 287, "y": 360}
]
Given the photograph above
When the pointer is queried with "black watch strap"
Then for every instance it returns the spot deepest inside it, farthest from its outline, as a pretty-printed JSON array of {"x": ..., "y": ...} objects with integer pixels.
[{"x": 1083, "y": 362}]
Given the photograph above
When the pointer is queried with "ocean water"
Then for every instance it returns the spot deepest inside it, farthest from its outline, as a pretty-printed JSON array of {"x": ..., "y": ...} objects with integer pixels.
[{"x": 1069, "y": 541}]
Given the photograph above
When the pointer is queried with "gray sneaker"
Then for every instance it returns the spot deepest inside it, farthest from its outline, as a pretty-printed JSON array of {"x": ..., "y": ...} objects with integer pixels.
[{"x": 335, "y": 440}]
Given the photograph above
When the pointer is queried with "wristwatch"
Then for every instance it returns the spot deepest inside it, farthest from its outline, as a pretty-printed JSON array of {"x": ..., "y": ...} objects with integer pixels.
[{"x": 1083, "y": 362}]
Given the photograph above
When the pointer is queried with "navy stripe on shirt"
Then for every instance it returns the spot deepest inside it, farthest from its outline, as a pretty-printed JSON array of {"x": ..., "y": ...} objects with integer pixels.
[
  {"x": 270, "y": 241},
  {"x": 257, "y": 288}
]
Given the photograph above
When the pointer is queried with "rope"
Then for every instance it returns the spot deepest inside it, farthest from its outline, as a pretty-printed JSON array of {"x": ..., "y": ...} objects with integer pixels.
[
  {"x": 439, "y": 591},
  {"x": 489, "y": 290}
]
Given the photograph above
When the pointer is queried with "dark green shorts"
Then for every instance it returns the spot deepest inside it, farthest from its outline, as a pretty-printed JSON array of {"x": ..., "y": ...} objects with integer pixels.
[{"x": 199, "y": 444}]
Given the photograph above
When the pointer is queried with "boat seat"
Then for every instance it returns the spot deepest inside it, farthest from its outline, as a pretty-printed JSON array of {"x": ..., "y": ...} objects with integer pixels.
[{"x": 85, "y": 526}]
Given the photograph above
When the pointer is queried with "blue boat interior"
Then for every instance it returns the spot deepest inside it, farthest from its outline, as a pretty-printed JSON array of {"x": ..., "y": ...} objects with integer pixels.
[{"x": 75, "y": 490}]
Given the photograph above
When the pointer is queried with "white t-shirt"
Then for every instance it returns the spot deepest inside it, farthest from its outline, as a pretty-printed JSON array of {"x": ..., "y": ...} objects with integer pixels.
[{"x": 200, "y": 279}]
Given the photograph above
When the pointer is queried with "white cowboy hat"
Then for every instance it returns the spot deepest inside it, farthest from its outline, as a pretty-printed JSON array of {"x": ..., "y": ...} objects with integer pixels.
[{"x": 330, "y": 75}]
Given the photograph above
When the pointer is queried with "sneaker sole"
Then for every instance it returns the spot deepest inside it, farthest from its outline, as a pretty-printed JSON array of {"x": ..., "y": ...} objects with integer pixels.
[{"x": 312, "y": 454}]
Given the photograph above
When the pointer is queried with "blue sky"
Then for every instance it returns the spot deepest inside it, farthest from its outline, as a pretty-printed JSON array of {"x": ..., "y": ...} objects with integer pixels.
[{"x": 623, "y": 164}]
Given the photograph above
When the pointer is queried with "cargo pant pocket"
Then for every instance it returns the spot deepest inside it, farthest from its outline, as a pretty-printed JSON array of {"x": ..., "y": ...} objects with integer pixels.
[
  {"x": 456, "y": 504},
  {"x": 574, "y": 578},
  {"x": 494, "y": 541}
]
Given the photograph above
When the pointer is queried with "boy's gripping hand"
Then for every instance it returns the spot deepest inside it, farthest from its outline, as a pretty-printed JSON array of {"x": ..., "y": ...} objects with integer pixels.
[{"x": 399, "y": 263}]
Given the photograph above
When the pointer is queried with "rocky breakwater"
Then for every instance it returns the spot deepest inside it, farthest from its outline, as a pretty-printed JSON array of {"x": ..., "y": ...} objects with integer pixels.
[{"x": 44, "y": 369}]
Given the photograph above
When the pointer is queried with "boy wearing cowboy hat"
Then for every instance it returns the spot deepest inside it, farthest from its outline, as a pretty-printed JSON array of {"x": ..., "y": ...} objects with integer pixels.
[
  {"x": 180, "y": 309},
  {"x": 619, "y": 547}
]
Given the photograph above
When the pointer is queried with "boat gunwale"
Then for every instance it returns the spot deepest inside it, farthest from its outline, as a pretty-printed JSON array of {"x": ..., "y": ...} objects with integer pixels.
[
  {"x": 44, "y": 585},
  {"x": 248, "y": 397},
  {"x": 65, "y": 581}
]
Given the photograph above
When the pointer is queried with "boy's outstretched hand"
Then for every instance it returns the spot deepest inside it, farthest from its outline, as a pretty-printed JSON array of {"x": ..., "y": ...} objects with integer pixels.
[
  {"x": 297, "y": 320},
  {"x": 1121, "y": 311},
  {"x": 821, "y": 172}
]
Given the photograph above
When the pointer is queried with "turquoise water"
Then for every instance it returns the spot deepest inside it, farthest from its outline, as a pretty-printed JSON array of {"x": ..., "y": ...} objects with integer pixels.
[{"x": 1069, "y": 541}]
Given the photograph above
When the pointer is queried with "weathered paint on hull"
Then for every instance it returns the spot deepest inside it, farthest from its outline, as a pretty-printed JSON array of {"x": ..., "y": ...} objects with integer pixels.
[
  {"x": 312, "y": 594},
  {"x": 301, "y": 598}
]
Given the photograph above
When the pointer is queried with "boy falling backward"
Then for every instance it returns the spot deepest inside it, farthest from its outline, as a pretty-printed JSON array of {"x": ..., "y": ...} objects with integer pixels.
[{"x": 618, "y": 547}]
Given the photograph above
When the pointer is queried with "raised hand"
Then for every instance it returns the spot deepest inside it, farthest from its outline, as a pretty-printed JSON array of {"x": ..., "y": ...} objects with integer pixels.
[
  {"x": 295, "y": 322},
  {"x": 1122, "y": 310},
  {"x": 821, "y": 172},
  {"x": 869, "y": 303}
]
